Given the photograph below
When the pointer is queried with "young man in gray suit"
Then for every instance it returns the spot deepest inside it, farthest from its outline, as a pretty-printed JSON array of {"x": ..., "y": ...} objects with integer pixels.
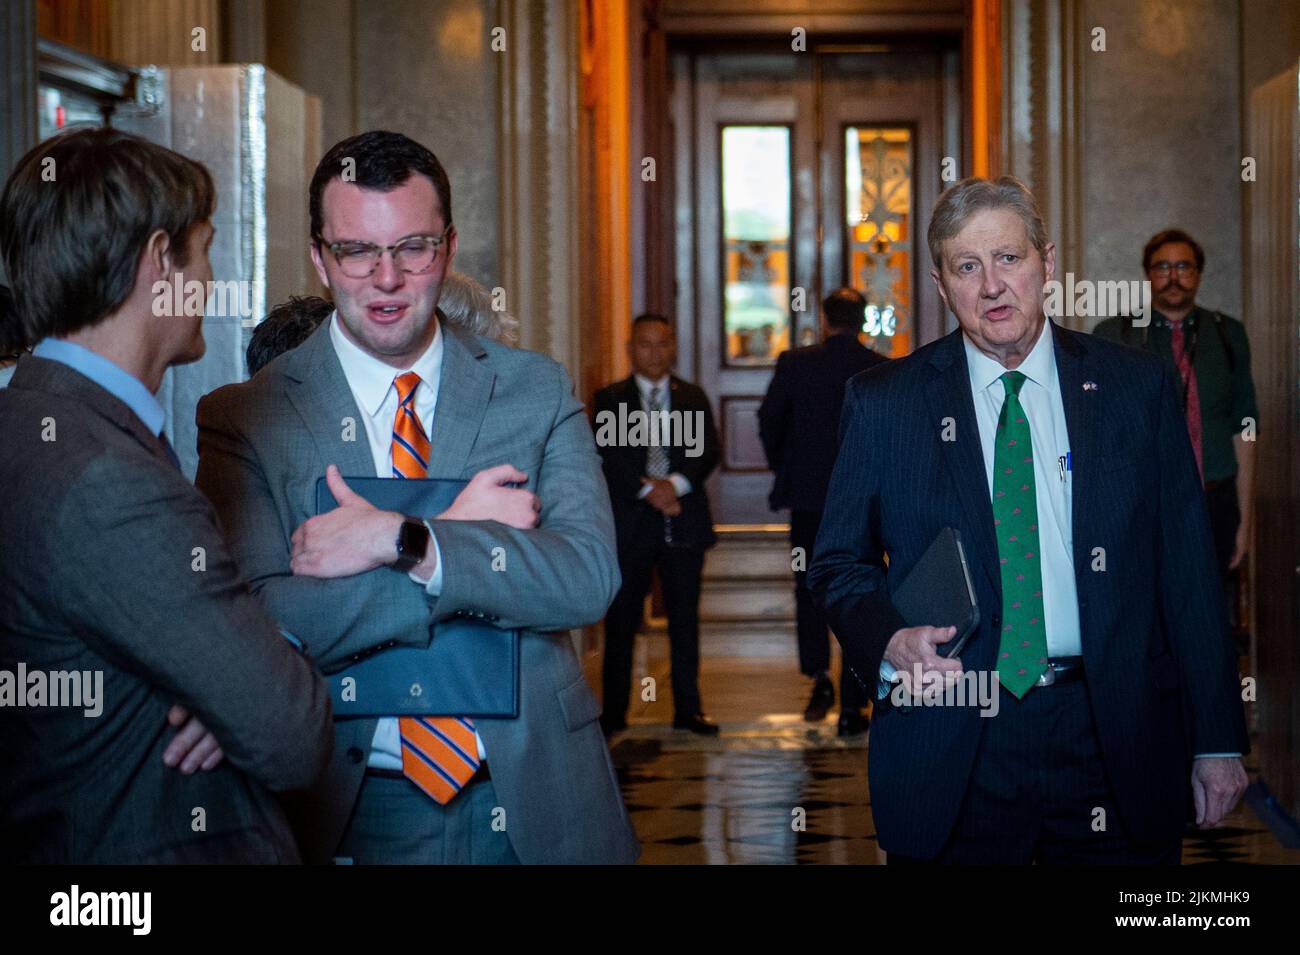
[
  {"x": 115, "y": 583},
  {"x": 386, "y": 388}
]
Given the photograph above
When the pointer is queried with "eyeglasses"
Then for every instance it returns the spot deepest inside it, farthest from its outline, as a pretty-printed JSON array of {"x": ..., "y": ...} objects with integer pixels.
[
  {"x": 414, "y": 254},
  {"x": 1182, "y": 268}
]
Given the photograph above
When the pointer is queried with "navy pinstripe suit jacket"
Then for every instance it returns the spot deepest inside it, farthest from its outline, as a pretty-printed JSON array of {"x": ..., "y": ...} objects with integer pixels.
[{"x": 1161, "y": 676}]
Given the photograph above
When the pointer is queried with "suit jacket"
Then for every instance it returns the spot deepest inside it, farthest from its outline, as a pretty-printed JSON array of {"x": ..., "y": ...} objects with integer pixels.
[
  {"x": 262, "y": 446},
  {"x": 1160, "y": 672},
  {"x": 799, "y": 419},
  {"x": 101, "y": 535},
  {"x": 624, "y": 466}
]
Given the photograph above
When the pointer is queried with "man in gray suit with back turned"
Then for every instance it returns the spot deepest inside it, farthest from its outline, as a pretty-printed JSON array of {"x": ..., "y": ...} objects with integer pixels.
[
  {"x": 384, "y": 387},
  {"x": 113, "y": 571}
]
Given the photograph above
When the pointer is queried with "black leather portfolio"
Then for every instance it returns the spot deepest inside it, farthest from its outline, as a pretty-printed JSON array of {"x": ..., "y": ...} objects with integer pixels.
[
  {"x": 937, "y": 592},
  {"x": 470, "y": 667}
]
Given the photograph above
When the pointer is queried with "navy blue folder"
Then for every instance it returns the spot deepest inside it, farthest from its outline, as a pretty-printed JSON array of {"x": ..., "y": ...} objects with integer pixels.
[{"x": 470, "y": 667}]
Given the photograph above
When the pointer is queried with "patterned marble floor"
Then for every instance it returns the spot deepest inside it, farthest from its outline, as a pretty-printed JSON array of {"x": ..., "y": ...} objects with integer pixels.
[{"x": 773, "y": 789}]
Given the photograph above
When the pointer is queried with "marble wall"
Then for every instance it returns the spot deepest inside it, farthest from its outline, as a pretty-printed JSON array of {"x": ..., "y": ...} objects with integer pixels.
[
  {"x": 423, "y": 69},
  {"x": 1160, "y": 141}
]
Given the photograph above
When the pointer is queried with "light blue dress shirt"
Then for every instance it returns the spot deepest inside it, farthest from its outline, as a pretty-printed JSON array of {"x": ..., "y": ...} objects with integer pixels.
[{"x": 120, "y": 384}]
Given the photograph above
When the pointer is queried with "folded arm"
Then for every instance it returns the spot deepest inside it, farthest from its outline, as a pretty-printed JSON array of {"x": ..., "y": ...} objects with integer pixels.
[
  {"x": 556, "y": 576},
  {"x": 154, "y": 590},
  {"x": 337, "y": 618}
]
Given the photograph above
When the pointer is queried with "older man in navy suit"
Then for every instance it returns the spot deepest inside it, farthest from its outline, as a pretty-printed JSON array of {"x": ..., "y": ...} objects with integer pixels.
[{"x": 1064, "y": 463}]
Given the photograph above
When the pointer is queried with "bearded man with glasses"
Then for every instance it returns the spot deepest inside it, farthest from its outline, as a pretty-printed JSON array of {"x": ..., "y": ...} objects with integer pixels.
[{"x": 1211, "y": 355}]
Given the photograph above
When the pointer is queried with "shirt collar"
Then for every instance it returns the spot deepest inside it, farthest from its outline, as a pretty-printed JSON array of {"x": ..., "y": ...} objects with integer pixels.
[
  {"x": 645, "y": 385},
  {"x": 1039, "y": 365},
  {"x": 370, "y": 378},
  {"x": 118, "y": 382},
  {"x": 1164, "y": 321}
]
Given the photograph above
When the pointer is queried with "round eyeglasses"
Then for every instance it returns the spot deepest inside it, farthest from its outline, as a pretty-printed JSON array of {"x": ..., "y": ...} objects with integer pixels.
[{"x": 413, "y": 255}]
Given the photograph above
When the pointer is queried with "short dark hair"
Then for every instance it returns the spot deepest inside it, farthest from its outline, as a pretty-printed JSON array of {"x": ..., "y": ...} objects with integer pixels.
[
  {"x": 378, "y": 160},
  {"x": 650, "y": 317},
  {"x": 10, "y": 345},
  {"x": 72, "y": 230},
  {"x": 1164, "y": 238},
  {"x": 285, "y": 327},
  {"x": 845, "y": 308}
]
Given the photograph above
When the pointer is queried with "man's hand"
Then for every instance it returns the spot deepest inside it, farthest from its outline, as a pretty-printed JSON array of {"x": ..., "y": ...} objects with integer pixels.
[
  {"x": 1242, "y": 543},
  {"x": 662, "y": 496},
  {"x": 486, "y": 499},
  {"x": 354, "y": 537},
  {"x": 193, "y": 747},
  {"x": 1217, "y": 785},
  {"x": 912, "y": 645}
]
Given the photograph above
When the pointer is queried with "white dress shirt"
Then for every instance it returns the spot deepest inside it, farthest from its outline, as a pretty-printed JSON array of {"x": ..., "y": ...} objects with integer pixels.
[
  {"x": 371, "y": 381},
  {"x": 645, "y": 386},
  {"x": 1040, "y": 396}
]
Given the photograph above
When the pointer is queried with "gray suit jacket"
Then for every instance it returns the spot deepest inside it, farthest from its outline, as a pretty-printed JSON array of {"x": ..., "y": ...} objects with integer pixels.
[
  {"x": 99, "y": 572},
  {"x": 264, "y": 443}
]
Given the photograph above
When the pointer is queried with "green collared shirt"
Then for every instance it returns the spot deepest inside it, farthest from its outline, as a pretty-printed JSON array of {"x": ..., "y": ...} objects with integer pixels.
[{"x": 1223, "y": 382}]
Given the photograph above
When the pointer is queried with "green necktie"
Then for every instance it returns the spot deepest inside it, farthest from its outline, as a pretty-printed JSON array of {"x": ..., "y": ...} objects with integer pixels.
[{"x": 1022, "y": 653}]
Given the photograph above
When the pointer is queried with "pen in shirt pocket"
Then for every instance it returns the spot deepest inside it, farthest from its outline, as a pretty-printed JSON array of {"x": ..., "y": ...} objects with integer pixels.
[{"x": 1063, "y": 464}]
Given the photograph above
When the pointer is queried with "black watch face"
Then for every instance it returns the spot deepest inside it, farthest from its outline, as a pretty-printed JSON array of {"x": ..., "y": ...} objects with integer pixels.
[{"x": 412, "y": 543}]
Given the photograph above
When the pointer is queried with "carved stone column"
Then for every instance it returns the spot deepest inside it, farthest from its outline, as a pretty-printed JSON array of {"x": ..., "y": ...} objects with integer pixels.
[
  {"x": 17, "y": 82},
  {"x": 1043, "y": 87},
  {"x": 539, "y": 175}
]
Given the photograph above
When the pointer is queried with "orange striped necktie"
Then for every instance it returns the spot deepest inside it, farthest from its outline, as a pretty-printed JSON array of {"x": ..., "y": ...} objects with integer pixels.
[{"x": 439, "y": 753}]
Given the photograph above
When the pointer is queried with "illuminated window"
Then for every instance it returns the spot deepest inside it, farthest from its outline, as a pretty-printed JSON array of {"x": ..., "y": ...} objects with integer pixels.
[
  {"x": 756, "y": 243},
  {"x": 878, "y": 189}
]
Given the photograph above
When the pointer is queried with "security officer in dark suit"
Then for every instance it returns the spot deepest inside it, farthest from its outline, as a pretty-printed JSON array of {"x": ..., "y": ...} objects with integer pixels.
[
  {"x": 799, "y": 424},
  {"x": 661, "y": 517}
]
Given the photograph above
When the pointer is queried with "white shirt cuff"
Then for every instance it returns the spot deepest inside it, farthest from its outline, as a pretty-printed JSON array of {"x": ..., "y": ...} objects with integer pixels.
[
  {"x": 887, "y": 674},
  {"x": 680, "y": 484},
  {"x": 433, "y": 587},
  {"x": 1217, "y": 756}
]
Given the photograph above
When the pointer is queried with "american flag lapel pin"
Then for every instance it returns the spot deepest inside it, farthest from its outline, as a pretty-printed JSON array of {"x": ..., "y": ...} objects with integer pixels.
[{"x": 1089, "y": 386}]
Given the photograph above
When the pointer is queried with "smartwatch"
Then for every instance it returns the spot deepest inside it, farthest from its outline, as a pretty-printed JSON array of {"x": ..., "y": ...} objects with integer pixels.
[{"x": 412, "y": 545}]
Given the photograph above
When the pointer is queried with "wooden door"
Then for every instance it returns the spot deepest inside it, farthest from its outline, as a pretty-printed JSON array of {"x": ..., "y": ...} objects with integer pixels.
[{"x": 767, "y": 221}]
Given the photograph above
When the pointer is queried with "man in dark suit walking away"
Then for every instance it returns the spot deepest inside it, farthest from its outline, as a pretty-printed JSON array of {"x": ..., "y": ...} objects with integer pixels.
[
  {"x": 799, "y": 423},
  {"x": 115, "y": 581},
  {"x": 1097, "y": 700},
  {"x": 656, "y": 481}
]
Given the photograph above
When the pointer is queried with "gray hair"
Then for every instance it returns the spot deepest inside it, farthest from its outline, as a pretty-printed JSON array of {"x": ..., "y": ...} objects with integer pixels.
[
  {"x": 963, "y": 199},
  {"x": 468, "y": 305}
]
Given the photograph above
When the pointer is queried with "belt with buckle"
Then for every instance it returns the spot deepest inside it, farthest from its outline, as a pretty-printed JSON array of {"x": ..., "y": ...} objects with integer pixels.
[
  {"x": 1061, "y": 670},
  {"x": 481, "y": 774}
]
